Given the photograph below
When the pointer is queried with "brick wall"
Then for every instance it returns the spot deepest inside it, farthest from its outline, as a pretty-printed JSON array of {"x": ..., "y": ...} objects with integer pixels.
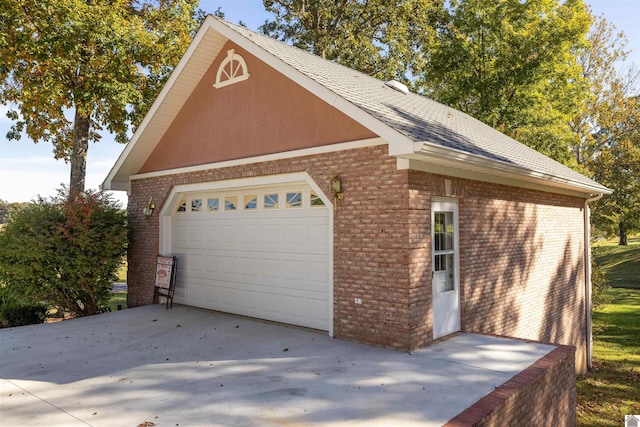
[
  {"x": 521, "y": 250},
  {"x": 370, "y": 237},
  {"x": 524, "y": 267},
  {"x": 542, "y": 395},
  {"x": 521, "y": 260}
]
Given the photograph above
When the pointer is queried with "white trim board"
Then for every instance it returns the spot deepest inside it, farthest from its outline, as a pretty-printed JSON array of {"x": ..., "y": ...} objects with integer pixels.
[
  {"x": 473, "y": 173},
  {"x": 372, "y": 142}
]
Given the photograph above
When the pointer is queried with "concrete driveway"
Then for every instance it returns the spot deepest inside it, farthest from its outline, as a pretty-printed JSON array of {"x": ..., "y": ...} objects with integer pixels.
[{"x": 192, "y": 367}]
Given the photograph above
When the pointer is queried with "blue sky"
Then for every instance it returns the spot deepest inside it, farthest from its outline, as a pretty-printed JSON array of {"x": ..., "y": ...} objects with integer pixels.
[{"x": 28, "y": 170}]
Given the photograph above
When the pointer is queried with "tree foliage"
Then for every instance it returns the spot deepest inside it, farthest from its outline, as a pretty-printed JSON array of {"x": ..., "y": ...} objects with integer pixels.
[
  {"x": 544, "y": 72},
  {"x": 512, "y": 65},
  {"x": 101, "y": 60},
  {"x": 380, "y": 38},
  {"x": 7, "y": 209},
  {"x": 618, "y": 167},
  {"x": 64, "y": 251},
  {"x": 607, "y": 128},
  {"x": 606, "y": 103}
]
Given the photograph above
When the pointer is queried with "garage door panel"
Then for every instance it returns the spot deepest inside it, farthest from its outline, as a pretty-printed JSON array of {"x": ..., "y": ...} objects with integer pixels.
[
  {"x": 196, "y": 262},
  {"x": 251, "y": 234},
  {"x": 317, "y": 310},
  {"x": 225, "y": 295},
  {"x": 293, "y": 270},
  {"x": 195, "y": 234},
  {"x": 269, "y": 271},
  {"x": 230, "y": 236},
  {"x": 300, "y": 244},
  {"x": 271, "y": 264},
  {"x": 213, "y": 294},
  {"x": 317, "y": 271},
  {"x": 270, "y": 235},
  {"x": 230, "y": 267},
  {"x": 213, "y": 234},
  {"x": 250, "y": 266},
  {"x": 213, "y": 264},
  {"x": 195, "y": 291},
  {"x": 306, "y": 288},
  {"x": 317, "y": 237},
  {"x": 271, "y": 268},
  {"x": 180, "y": 233},
  {"x": 230, "y": 297}
]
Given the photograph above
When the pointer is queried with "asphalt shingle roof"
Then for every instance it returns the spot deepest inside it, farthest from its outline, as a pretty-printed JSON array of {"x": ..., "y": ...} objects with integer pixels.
[{"x": 417, "y": 117}]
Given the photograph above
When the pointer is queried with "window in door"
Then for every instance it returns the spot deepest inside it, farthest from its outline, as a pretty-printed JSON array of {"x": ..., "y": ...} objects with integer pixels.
[{"x": 444, "y": 249}]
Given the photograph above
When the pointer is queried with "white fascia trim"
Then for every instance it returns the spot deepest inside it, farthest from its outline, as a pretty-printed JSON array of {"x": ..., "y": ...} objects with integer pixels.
[
  {"x": 495, "y": 167},
  {"x": 118, "y": 186},
  {"x": 259, "y": 181},
  {"x": 398, "y": 142},
  {"x": 266, "y": 158},
  {"x": 175, "y": 74},
  {"x": 456, "y": 172}
]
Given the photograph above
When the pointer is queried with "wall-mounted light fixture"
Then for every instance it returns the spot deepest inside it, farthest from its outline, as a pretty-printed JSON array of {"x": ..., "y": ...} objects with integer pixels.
[
  {"x": 148, "y": 210},
  {"x": 336, "y": 189}
]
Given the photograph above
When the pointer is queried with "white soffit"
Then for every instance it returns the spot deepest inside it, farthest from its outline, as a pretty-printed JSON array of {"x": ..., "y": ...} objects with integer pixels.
[{"x": 439, "y": 160}]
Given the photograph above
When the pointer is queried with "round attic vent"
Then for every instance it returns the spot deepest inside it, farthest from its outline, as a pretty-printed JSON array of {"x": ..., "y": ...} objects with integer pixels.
[{"x": 398, "y": 86}]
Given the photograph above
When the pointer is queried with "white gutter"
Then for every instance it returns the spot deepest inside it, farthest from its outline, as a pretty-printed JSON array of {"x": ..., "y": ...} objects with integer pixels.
[{"x": 587, "y": 281}]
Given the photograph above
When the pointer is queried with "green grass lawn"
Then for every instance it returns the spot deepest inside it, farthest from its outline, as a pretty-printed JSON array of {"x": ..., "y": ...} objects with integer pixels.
[
  {"x": 612, "y": 390},
  {"x": 122, "y": 272},
  {"x": 621, "y": 263},
  {"x": 118, "y": 298}
]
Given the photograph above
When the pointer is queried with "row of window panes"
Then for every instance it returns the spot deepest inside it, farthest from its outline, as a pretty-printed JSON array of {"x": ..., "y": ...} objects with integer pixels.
[
  {"x": 443, "y": 262},
  {"x": 271, "y": 201}
]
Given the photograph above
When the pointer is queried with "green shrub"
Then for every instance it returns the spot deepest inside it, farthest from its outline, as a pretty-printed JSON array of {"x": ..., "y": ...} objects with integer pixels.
[
  {"x": 18, "y": 314},
  {"x": 64, "y": 252}
]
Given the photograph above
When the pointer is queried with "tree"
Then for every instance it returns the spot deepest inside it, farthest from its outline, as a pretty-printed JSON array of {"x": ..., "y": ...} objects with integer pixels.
[
  {"x": 377, "y": 37},
  {"x": 103, "y": 61},
  {"x": 512, "y": 65},
  {"x": 607, "y": 128},
  {"x": 7, "y": 209},
  {"x": 64, "y": 252},
  {"x": 617, "y": 166},
  {"x": 609, "y": 101}
]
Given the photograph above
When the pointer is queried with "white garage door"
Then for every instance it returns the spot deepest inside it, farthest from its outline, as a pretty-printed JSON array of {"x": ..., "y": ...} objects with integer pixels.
[{"x": 259, "y": 252}]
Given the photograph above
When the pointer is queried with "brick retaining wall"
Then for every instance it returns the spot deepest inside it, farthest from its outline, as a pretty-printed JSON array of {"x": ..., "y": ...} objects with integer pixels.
[{"x": 544, "y": 394}]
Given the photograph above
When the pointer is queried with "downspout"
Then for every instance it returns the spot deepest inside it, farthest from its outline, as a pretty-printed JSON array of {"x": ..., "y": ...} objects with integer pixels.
[{"x": 587, "y": 273}]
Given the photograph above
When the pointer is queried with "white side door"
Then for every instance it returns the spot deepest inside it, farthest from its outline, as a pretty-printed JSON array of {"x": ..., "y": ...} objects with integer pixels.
[{"x": 445, "y": 275}]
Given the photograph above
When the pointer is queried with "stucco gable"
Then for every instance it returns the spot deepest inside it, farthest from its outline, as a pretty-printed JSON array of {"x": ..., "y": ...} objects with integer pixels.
[{"x": 265, "y": 114}]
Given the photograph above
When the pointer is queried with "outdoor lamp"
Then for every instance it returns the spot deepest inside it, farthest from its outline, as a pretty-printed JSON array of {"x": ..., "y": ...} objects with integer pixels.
[
  {"x": 148, "y": 210},
  {"x": 336, "y": 189}
]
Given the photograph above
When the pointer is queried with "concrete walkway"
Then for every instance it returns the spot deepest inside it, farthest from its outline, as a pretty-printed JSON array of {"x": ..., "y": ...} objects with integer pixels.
[{"x": 191, "y": 367}]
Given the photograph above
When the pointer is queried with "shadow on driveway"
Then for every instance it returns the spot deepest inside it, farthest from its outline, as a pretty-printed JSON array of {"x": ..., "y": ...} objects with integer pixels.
[{"x": 192, "y": 367}]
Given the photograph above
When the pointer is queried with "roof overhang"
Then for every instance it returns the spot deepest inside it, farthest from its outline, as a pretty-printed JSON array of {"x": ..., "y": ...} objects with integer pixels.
[
  {"x": 206, "y": 46},
  {"x": 433, "y": 158}
]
